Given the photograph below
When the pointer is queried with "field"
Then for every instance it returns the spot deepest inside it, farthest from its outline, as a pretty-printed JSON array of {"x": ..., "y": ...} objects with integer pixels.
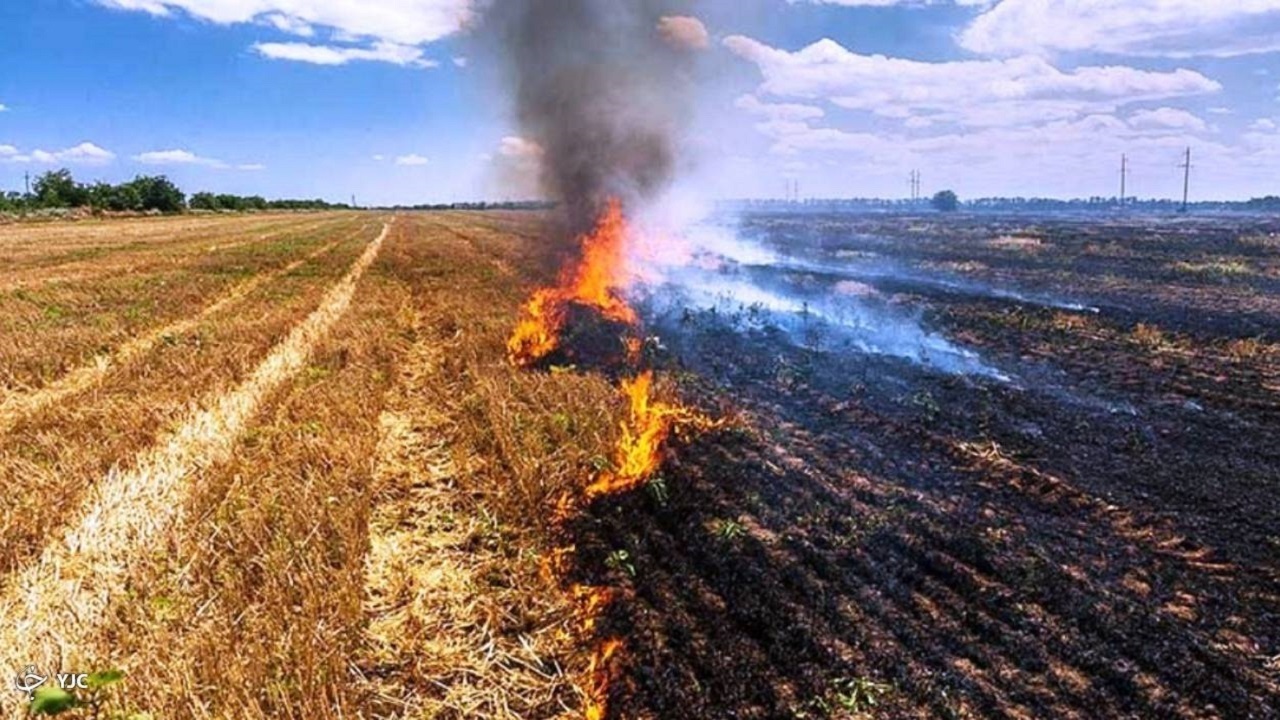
[{"x": 282, "y": 466}]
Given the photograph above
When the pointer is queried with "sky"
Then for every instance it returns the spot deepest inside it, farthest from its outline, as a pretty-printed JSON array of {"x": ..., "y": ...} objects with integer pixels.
[{"x": 395, "y": 101}]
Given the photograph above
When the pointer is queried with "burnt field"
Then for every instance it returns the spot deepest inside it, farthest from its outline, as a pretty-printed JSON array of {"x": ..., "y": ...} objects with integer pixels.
[{"x": 973, "y": 467}]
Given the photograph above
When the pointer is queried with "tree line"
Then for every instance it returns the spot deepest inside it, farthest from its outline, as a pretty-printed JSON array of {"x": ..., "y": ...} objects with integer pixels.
[{"x": 58, "y": 189}]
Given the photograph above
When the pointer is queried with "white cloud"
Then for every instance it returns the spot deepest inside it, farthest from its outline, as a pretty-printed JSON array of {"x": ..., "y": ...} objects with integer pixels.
[
  {"x": 778, "y": 111},
  {"x": 1012, "y": 91},
  {"x": 86, "y": 153},
  {"x": 412, "y": 160},
  {"x": 290, "y": 25},
  {"x": 685, "y": 32},
  {"x": 518, "y": 147},
  {"x": 515, "y": 168},
  {"x": 390, "y": 31},
  {"x": 405, "y": 55},
  {"x": 3, "y": 107},
  {"x": 405, "y": 22},
  {"x": 1167, "y": 118},
  {"x": 251, "y": 167},
  {"x": 460, "y": 61},
  {"x": 1263, "y": 125},
  {"x": 379, "y": 158},
  {"x": 1157, "y": 28},
  {"x": 177, "y": 157}
]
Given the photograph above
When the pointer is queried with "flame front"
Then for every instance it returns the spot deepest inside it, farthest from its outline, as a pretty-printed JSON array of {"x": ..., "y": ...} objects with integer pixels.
[
  {"x": 596, "y": 281},
  {"x": 648, "y": 425}
]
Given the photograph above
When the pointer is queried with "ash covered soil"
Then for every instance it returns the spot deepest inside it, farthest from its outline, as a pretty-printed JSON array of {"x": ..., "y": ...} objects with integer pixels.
[{"x": 1093, "y": 531}]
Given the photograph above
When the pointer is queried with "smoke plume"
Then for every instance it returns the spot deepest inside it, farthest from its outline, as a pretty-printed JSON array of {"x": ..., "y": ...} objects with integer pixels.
[{"x": 602, "y": 90}]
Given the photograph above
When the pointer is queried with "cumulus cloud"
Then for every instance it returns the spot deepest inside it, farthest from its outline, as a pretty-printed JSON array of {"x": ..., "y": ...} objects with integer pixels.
[
  {"x": 1011, "y": 91},
  {"x": 1167, "y": 118},
  {"x": 406, "y": 22},
  {"x": 514, "y": 169},
  {"x": 86, "y": 153},
  {"x": 177, "y": 157},
  {"x": 1157, "y": 28},
  {"x": 405, "y": 55},
  {"x": 517, "y": 147},
  {"x": 3, "y": 107},
  {"x": 290, "y": 25},
  {"x": 373, "y": 30},
  {"x": 412, "y": 160},
  {"x": 684, "y": 32},
  {"x": 778, "y": 111}
]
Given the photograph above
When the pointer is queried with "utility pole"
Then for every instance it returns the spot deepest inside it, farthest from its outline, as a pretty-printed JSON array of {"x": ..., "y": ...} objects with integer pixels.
[
  {"x": 1124, "y": 175},
  {"x": 1186, "y": 180},
  {"x": 353, "y": 202},
  {"x": 915, "y": 186},
  {"x": 26, "y": 179}
]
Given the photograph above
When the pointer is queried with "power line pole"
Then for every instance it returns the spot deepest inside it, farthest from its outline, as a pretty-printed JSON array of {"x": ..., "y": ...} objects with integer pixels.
[
  {"x": 26, "y": 179},
  {"x": 1124, "y": 176},
  {"x": 1186, "y": 180}
]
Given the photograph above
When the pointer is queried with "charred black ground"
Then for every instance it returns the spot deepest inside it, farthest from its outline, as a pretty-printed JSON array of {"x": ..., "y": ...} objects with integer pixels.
[{"x": 1095, "y": 539}]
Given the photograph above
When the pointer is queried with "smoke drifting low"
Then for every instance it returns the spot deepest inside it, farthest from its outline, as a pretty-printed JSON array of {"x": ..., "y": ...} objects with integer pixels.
[{"x": 603, "y": 87}]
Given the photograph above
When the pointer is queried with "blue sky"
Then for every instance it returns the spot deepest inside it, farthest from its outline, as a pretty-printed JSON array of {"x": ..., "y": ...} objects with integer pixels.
[{"x": 390, "y": 100}]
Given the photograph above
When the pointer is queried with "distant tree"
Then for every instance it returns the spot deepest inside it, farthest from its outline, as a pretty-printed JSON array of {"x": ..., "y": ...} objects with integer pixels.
[
  {"x": 204, "y": 201},
  {"x": 57, "y": 188},
  {"x": 945, "y": 201},
  {"x": 118, "y": 198},
  {"x": 231, "y": 202},
  {"x": 159, "y": 193},
  {"x": 12, "y": 202}
]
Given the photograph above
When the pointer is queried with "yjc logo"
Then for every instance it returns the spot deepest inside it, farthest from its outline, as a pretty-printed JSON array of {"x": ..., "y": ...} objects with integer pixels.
[{"x": 31, "y": 679}]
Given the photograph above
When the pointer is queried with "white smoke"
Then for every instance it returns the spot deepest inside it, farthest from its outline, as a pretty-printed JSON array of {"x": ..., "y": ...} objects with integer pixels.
[{"x": 685, "y": 258}]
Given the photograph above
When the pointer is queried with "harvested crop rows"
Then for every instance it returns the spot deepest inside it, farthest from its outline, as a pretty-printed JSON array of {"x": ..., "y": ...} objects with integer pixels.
[
  {"x": 285, "y": 467},
  {"x": 235, "y": 496}
]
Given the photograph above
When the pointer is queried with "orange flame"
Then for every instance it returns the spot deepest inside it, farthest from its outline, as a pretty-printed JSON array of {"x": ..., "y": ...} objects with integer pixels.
[
  {"x": 595, "y": 280},
  {"x": 601, "y": 671},
  {"x": 646, "y": 429}
]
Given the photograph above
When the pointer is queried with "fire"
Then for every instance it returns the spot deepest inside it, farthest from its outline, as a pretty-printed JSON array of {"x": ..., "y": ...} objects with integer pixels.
[
  {"x": 596, "y": 281},
  {"x": 601, "y": 671},
  {"x": 648, "y": 425}
]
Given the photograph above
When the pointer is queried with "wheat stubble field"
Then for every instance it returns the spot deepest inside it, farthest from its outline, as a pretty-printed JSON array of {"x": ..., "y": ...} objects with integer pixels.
[
  {"x": 278, "y": 466},
  {"x": 284, "y": 466}
]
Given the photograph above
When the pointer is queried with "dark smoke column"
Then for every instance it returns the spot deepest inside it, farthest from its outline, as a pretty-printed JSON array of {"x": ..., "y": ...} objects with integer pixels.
[{"x": 601, "y": 90}]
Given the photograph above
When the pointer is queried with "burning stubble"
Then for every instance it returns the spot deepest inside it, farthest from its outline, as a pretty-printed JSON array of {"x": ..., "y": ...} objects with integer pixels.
[{"x": 602, "y": 89}]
